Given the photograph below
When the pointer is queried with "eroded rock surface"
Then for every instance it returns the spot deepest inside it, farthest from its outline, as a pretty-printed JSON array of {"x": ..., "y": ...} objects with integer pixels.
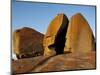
[
  {"x": 65, "y": 36},
  {"x": 55, "y": 63},
  {"x": 68, "y": 45},
  {"x": 54, "y": 39},
  {"x": 27, "y": 42},
  {"x": 79, "y": 37}
]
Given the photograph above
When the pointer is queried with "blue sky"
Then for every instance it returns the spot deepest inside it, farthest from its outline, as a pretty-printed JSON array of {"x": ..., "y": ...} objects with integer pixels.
[{"x": 39, "y": 15}]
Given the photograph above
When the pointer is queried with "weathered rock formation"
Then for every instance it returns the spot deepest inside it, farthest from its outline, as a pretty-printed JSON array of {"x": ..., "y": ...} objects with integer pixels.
[
  {"x": 27, "y": 43},
  {"x": 79, "y": 36},
  {"x": 68, "y": 37},
  {"x": 54, "y": 39},
  {"x": 63, "y": 62},
  {"x": 73, "y": 40}
]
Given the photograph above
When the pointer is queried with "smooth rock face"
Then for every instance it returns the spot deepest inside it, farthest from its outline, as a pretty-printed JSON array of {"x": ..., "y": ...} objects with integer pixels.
[
  {"x": 66, "y": 62},
  {"x": 79, "y": 36},
  {"x": 54, "y": 38},
  {"x": 63, "y": 62},
  {"x": 27, "y": 43}
]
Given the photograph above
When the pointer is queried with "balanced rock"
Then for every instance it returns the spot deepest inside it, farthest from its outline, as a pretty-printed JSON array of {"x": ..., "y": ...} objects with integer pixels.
[
  {"x": 54, "y": 39},
  {"x": 79, "y": 36},
  {"x": 27, "y": 43}
]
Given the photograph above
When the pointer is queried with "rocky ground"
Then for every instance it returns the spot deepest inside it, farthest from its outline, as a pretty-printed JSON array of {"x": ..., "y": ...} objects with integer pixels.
[{"x": 63, "y": 62}]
